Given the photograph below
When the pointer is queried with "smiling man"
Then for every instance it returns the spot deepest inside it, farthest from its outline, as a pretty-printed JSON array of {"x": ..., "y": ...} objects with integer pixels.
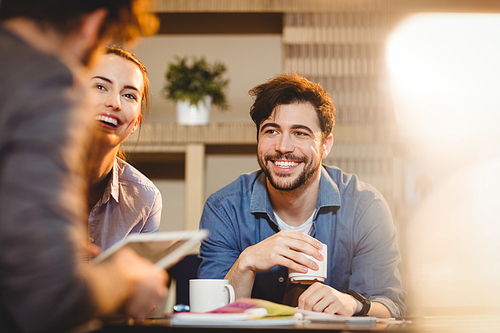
[{"x": 262, "y": 222}]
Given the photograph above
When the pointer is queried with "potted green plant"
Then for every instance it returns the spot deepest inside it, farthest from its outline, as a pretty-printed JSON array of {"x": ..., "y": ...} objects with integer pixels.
[{"x": 195, "y": 85}]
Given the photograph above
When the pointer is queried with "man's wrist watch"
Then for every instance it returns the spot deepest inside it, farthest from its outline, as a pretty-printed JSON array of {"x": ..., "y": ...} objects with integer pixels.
[{"x": 364, "y": 302}]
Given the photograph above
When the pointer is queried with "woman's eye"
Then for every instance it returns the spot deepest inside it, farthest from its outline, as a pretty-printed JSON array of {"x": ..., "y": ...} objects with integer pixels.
[
  {"x": 100, "y": 87},
  {"x": 130, "y": 96}
]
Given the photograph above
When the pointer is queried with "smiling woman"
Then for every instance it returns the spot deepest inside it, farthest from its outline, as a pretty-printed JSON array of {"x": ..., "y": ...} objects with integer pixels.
[{"x": 121, "y": 199}]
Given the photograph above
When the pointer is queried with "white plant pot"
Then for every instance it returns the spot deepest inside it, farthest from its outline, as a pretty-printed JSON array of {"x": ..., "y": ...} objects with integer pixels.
[{"x": 194, "y": 114}]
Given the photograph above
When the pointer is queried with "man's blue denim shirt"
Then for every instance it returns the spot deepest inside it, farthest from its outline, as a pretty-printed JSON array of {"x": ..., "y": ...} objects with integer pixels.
[{"x": 352, "y": 218}]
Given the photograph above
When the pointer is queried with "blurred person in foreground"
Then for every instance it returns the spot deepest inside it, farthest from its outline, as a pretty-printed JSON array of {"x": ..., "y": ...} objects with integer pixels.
[
  {"x": 262, "y": 222},
  {"x": 46, "y": 48},
  {"x": 122, "y": 200}
]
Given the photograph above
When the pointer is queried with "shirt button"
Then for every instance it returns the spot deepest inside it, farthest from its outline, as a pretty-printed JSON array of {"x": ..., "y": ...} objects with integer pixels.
[
  {"x": 281, "y": 279},
  {"x": 91, "y": 240}
]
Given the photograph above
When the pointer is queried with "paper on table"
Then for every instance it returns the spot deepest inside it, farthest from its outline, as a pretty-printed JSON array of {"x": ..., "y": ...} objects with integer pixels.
[
  {"x": 250, "y": 314},
  {"x": 394, "y": 321},
  {"x": 271, "y": 321},
  {"x": 311, "y": 316},
  {"x": 243, "y": 312}
]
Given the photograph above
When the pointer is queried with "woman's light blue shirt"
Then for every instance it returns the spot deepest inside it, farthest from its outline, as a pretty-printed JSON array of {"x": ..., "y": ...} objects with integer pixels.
[{"x": 131, "y": 204}]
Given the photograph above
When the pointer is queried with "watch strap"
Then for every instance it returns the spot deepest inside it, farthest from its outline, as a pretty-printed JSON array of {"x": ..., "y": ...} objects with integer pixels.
[{"x": 364, "y": 302}]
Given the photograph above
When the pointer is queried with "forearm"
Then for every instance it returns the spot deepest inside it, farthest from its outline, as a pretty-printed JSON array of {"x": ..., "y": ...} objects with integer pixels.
[
  {"x": 376, "y": 309},
  {"x": 379, "y": 310},
  {"x": 241, "y": 278},
  {"x": 380, "y": 307}
]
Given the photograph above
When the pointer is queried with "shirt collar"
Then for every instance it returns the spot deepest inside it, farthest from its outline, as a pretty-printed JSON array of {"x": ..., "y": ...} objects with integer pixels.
[
  {"x": 112, "y": 189},
  {"x": 259, "y": 200},
  {"x": 329, "y": 194}
]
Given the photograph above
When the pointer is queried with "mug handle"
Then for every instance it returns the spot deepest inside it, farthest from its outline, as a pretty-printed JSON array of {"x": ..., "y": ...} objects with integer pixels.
[{"x": 230, "y": 291}]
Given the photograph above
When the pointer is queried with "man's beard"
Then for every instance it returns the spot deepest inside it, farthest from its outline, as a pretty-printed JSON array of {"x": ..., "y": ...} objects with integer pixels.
[{"x": 285, "y": 182}]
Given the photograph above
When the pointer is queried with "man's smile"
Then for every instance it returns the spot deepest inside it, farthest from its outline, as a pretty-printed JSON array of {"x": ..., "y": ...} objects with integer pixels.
[{"x": 285, "y": 164}]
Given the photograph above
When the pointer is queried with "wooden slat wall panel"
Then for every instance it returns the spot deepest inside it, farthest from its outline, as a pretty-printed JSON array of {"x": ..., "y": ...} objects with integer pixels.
[
  {"x": 344, "y": 52},
  {"x": 273, "y": 5},
  {"x": 297, "y": 6}
]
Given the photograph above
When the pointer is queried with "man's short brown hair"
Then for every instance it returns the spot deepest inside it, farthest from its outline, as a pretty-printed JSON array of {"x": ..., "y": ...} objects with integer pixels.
[{"x": 289, "y": 89}]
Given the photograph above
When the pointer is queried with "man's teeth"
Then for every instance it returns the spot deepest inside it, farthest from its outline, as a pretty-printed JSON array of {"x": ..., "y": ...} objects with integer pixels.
[
  {"x": 108, "y": 120},
  {"x": 285, "y": 164}
]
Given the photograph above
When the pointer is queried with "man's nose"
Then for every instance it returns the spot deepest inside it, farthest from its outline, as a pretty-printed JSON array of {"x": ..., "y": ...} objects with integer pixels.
[{"x": 285, "y": 144}]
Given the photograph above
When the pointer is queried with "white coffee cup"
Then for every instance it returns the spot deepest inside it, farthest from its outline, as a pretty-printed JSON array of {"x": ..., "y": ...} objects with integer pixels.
[
  {"x": 311, "y": 276},
  {"x": 209, "y": 294}
]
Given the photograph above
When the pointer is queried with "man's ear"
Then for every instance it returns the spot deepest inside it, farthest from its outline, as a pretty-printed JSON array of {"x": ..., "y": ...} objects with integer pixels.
[
  {"x": 327, "y": 146},
  {"x": 92, "y": 24},
  {"x": 86, "y": 38}
]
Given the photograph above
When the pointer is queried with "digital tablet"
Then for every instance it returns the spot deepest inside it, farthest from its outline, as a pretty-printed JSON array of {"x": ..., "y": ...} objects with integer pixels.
[{"x": 165, "y": 249}]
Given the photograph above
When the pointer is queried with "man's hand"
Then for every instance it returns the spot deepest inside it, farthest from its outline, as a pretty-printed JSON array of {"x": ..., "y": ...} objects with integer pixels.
[
  {"x": 284, "y": 248},
  {"x": 92, "y": 250},
  {"x": 322, "y": 298},
  {"x": 128, "y": 284},
  {"x": 148, "y": 284}
]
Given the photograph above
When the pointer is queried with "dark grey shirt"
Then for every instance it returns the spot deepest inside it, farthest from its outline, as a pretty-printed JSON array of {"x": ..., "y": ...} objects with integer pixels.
[{"x": 42, "y": 203}]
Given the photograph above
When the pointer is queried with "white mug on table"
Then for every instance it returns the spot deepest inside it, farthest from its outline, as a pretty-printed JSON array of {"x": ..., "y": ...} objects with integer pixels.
[{"x": 209, "y": 294}]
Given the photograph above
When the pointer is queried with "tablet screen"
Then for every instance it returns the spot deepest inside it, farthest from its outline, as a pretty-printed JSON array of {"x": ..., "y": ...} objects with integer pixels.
[
  {"x": 155, "y": 250},
  {"x": 163, "y": 248}
]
